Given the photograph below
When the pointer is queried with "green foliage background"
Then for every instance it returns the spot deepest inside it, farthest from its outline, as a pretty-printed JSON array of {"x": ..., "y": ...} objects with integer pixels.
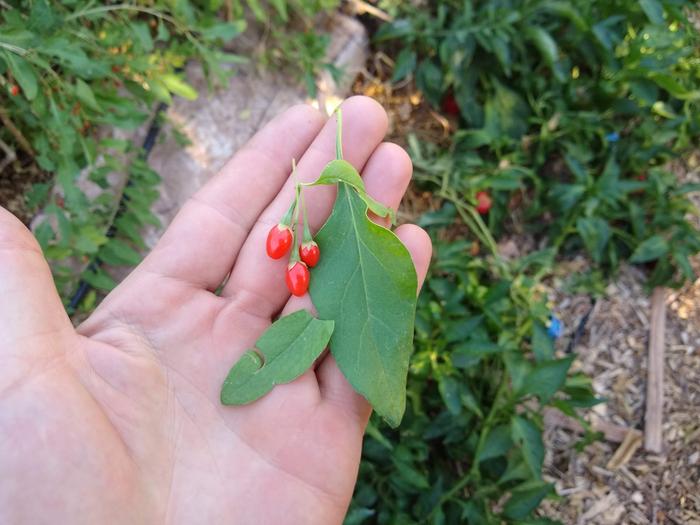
[
  {"x": 81, "y": 65},
  {"x": 569, "y": 112}
]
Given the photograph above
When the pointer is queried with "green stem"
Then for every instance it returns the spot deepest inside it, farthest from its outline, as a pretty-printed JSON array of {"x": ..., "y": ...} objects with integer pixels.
[
  {"x": 14, "y": 49},
  {"x": 473, "y": 473},
  {"x": 287, "y": 219},
  {"x": 339, "y": 135},
  {"x": 307, "y": 232},
  {"x": 295, "y": 214},
  {"x": 121, "y": 7},
  {"x": 473, "y": 220},
  {"x": 294, "y": 256}
]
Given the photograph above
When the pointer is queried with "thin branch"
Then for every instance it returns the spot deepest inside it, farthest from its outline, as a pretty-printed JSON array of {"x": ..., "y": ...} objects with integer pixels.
[
  {"x": 10, "y": 155},
  {"x": 16, "y": 133},
  {"x": 362, "y": 7}
]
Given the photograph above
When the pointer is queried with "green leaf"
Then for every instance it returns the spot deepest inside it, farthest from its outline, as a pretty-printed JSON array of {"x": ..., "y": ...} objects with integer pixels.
[
  {"x": 683, "y": 263},
  {"x": 410, "y": 474},
  {"x": 654, "y": 10},
  {"x": 283, "y": 352},
  {"x": 566, "y": 10},
  {"x": 85, "y": 95},
  {"x": 366, "y": 282},
  {"x": 542, "y": 344},
  {"x": 546, "y": 378},
  {"x": 529, "y": 438},
  {"x": 595, "y": 233},
  {"x": 160, "y": 90},
  {"x": 429, "y": 80},
  {"x": 143, "y": 35},
  {"x": 178, "y": 86},
  {"x": 342, "y": 171},
  {"x": 117, "y": 252},
  {"x": 257, "y": 10},
  {"x": 651, "y": 249},
  {"x": 358, "y": 516},
  {"x": 223, "y": 30},
  {"x": 525, "y": 498},
  {"x": 24, "y": 74},
  {"x": 497, "y": 443},
  {"x": 99, "y": 279},
  {"x": 281, "y": 7},
  {"x": 506, "y": 113},
  {"x": 517, "y": 469},
  {"x": 517, "y": 367},
  {"x": 472, "y": 351},
  {"x": 450, "y": 392},
  {"x": 544, "y": 43},
  {"x": 405, "y": 64}
]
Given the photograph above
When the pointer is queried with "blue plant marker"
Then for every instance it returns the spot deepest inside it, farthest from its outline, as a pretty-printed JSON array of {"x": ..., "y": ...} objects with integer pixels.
[
  {"x": 555, "y": 328},
  {"x": 613, "y": 136}
]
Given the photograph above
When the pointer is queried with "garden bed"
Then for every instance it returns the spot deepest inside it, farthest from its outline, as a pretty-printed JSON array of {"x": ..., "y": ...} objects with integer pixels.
[{"x": 643, "y": 488}]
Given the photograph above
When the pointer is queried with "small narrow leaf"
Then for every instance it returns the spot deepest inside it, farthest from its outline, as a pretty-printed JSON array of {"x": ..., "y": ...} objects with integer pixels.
[
  {"x": 85, "y": 95},
  {"x": 450, "y": 392},
  {"x": 24, "y": 74},
  {"x": 178, "y": 86},
  {"x": 654, "y": 10},
  {"x": 544, "y": 43},
  {"x": 652, "y": 248},
  {"x": 285, "y": 350}
]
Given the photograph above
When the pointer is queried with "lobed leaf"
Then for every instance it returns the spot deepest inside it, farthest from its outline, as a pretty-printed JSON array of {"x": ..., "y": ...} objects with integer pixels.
[
  {"x": 367, "y": 283},
  {"x": 283, "y": 352}
]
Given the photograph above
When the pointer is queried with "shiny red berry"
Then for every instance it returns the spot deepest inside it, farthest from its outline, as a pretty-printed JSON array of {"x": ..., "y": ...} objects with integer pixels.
[
  {"x": 483, "y": 202},
  {"x": 297, "y": 278},
  {"x": 279, "y": 240},
  {"x": 450, "y": 106},
  {"x": 14, "y": 90},
  {"x": 309, "y": 253}
]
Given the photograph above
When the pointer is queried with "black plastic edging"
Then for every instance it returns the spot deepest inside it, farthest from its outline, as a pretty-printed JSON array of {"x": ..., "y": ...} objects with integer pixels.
[{"x": 148, "y": 143}]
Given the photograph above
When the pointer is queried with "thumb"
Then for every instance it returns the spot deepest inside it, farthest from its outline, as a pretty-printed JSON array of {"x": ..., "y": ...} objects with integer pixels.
[{"x": 30, "y": 310}]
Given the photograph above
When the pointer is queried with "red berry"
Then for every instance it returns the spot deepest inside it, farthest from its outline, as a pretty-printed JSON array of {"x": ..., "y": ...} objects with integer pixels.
[
  {"x": 279, "y": 240},
  {"x": 309, "y": 253},
  {"x": 450, "y": 106},
  {"x": 483, "y": 202},
  {"x": 14, "y": 90},
  {"x": 297, "y": 278}
]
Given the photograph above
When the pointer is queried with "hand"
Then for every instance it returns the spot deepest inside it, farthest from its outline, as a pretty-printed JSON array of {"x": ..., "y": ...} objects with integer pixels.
[{"x": 119, "y": 421}]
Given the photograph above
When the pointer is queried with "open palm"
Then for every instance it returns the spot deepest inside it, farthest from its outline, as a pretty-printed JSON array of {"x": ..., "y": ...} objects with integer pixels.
[{"x": 119, "y": 421}]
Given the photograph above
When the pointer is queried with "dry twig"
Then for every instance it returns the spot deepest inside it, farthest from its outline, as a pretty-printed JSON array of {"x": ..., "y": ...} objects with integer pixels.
[{"x": 653, "y": 417}]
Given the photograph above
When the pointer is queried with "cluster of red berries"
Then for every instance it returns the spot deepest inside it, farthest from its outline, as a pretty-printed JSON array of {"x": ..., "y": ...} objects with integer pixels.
[{"x": 280, "y": 240}]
